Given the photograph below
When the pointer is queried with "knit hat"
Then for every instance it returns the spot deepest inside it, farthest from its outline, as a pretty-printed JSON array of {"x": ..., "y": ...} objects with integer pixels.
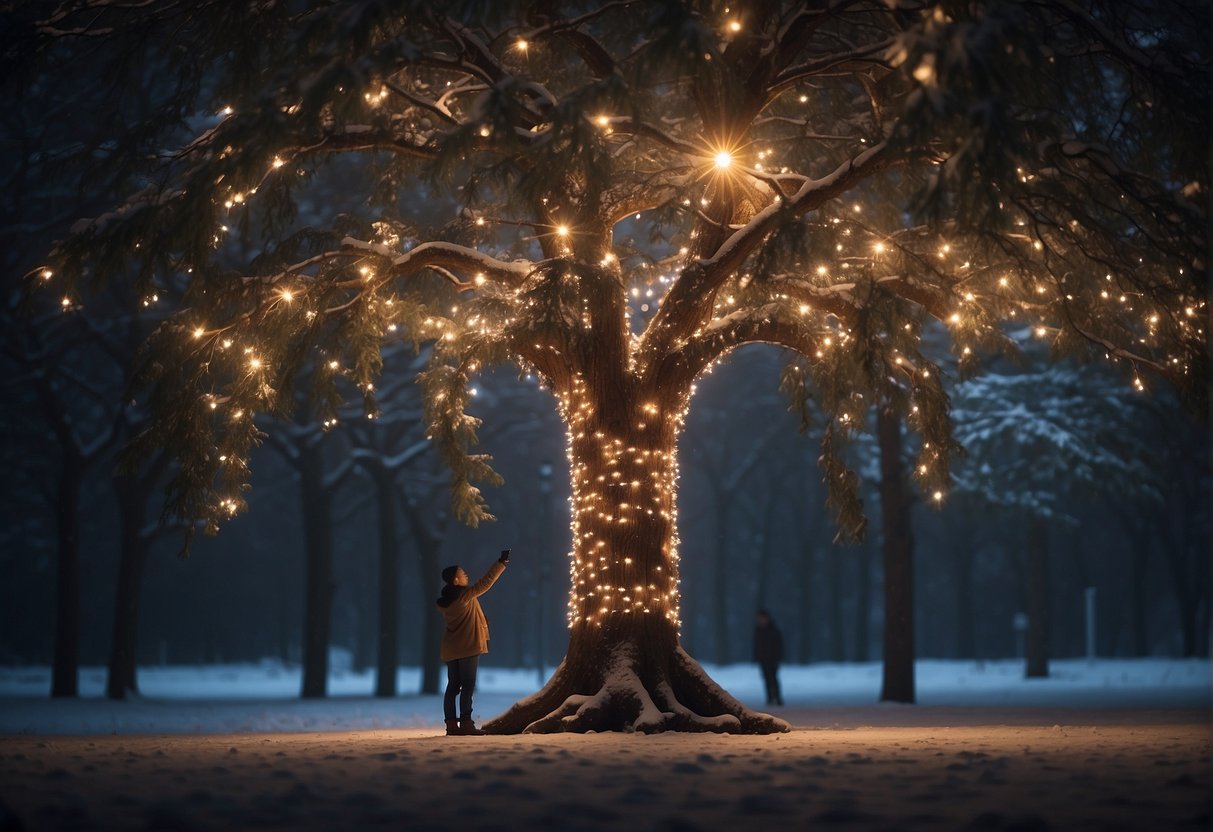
[{"x": 448, "y": 574}]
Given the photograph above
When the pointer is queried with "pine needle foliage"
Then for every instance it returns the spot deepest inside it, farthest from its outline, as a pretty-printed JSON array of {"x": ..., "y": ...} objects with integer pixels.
[{"x": 619, "y": 193}]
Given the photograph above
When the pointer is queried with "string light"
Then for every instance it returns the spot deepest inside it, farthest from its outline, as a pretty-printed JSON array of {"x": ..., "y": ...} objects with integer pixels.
[{"x": 624, "y": 479}]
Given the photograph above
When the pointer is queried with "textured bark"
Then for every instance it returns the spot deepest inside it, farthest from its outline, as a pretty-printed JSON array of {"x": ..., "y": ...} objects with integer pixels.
[
  {"x": 624, "y": 668},
  {"x": 65, "y": 669},
  {"x": 318, "y": 547},
  {"x": 1038, "y": 599},
  {"x": 897, "y": 684}
]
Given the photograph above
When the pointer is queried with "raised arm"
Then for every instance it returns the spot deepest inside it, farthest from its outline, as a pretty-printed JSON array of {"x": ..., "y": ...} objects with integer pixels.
[{"x": 482, "y": 586}]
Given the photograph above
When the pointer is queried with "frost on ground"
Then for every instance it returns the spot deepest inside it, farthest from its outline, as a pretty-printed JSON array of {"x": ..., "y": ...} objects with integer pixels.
[
  {"x": 263, "y": 697},
  {"x": 990, "y": 777},
  {"x": 1110, "y": 745}
]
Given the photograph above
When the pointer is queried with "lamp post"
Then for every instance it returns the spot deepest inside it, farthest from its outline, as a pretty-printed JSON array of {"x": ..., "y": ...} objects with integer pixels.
[{"x": 545, "y": 491}]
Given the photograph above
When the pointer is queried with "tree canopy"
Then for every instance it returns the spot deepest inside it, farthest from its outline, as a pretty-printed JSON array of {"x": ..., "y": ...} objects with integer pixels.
[
  {"x": 826, "y": 179},
  {"x": 614, "y": 195}
]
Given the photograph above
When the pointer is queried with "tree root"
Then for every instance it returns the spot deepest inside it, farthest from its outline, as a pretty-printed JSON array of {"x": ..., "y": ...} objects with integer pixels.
[{"x": 676, "y": 697}]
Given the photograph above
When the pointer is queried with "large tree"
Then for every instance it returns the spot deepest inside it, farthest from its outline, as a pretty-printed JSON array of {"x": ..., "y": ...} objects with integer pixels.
[{"x": 632, "y": 190}]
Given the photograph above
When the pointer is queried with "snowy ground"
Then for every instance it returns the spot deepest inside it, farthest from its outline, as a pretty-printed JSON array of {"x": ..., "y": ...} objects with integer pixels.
[
  {"x": 1105, "y": 746},
  {"x": 263, "y": 697}
]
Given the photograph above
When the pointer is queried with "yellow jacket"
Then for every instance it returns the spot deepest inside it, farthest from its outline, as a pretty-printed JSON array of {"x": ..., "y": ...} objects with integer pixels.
[{"x": 467, "y": 630}]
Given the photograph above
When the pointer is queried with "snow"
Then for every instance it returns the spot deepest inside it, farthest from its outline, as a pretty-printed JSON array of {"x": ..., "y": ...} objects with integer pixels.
[
  {"x": 1102, "y": 745},
  {"x": 263, "y": 697}
]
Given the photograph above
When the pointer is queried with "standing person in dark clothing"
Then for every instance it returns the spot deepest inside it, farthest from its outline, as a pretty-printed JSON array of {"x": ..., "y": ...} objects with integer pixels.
[
  {"x": 768, "y": 652},
  {"x": 465, "y": 638}
]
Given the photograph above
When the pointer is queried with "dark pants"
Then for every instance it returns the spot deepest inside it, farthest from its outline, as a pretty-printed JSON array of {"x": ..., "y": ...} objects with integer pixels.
[
  {"x": 461, "y": 682},
  {"x": 770, "y": 677}
]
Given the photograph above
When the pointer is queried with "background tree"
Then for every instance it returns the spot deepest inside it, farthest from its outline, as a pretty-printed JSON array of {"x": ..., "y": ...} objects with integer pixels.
[
  {"x": 1038, "y": 439},
  {"x": 754, "y": 168}
]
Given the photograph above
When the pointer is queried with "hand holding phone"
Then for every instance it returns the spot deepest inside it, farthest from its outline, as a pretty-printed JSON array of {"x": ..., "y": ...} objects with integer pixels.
[{"x": 505, "y": 556}]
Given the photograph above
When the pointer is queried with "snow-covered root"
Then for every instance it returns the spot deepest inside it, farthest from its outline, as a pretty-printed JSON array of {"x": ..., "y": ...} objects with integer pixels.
[{"x": 684, "y": 699}]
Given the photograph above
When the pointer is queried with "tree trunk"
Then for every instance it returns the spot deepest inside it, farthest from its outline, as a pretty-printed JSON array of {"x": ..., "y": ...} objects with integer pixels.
[
  {"x": 429, "y": 545},
  {"x": 1038, "y": 599},
  {"x": 805, "y": 610},
  {"x": 624, "y": 668},
  {"x": 838, "y": 649},
  {"x": 133, "y": 551},
  {"x": 898, "y": 548},
  {"x": 65, "y": 670},
  {"x": 389, "y": 585},
  {"x": 318, "y": 547},
  {"x": 863, "y": 602},
  {"x": 966, "y": 621},
  {"x": 720, "y": 586},
  {"x": 1139, "y": 553}
]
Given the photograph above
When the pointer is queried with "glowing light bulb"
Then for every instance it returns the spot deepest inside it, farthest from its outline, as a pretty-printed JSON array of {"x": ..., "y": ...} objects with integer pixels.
[
  {"x": 723, "y": 159},
  {"x": 562, "y": 231},
  {"x": 734, "y": 25}
]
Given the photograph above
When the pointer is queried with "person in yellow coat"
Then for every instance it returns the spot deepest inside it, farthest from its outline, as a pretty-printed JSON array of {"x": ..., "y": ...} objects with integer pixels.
[{"x": 465, "y": 638}]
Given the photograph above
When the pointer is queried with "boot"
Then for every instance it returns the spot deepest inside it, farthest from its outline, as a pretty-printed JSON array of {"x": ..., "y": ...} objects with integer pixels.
[
  {"x": 468, "y": 728},
  {"x": 452, "y": 728}
]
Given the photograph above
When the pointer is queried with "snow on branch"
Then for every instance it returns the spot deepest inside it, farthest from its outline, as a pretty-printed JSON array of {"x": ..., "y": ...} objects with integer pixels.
[{"x": 476, "y": 266}]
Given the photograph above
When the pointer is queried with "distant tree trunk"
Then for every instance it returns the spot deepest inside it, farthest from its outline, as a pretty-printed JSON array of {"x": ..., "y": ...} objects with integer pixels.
[
  {"x": 1140, "y": 555},
  {"x": 1185, "y": 597},
  {"x": 366, "y": 621},
  {"x": 133, "y": 545},
  {"x": 863, "y": 602},
  {"x": 285, "y": 640},
  {"x": 65, "y": 670},
  {"x": 66, "y": 665},
  {"x": 765, "y": 550},
  {"x": 429, "y": 545},
  {"x": 838, "y": 648},
  {"x": 1038, "y": 599},
  {"x": 389, "y": 584},
  {"x": 318, "y": 548},
  {"x": 724, "y": 580},
  {"x": 805, "y": 608},
  {"x": 898, "y": 548},
  {"x": 966, "y": 621}
]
